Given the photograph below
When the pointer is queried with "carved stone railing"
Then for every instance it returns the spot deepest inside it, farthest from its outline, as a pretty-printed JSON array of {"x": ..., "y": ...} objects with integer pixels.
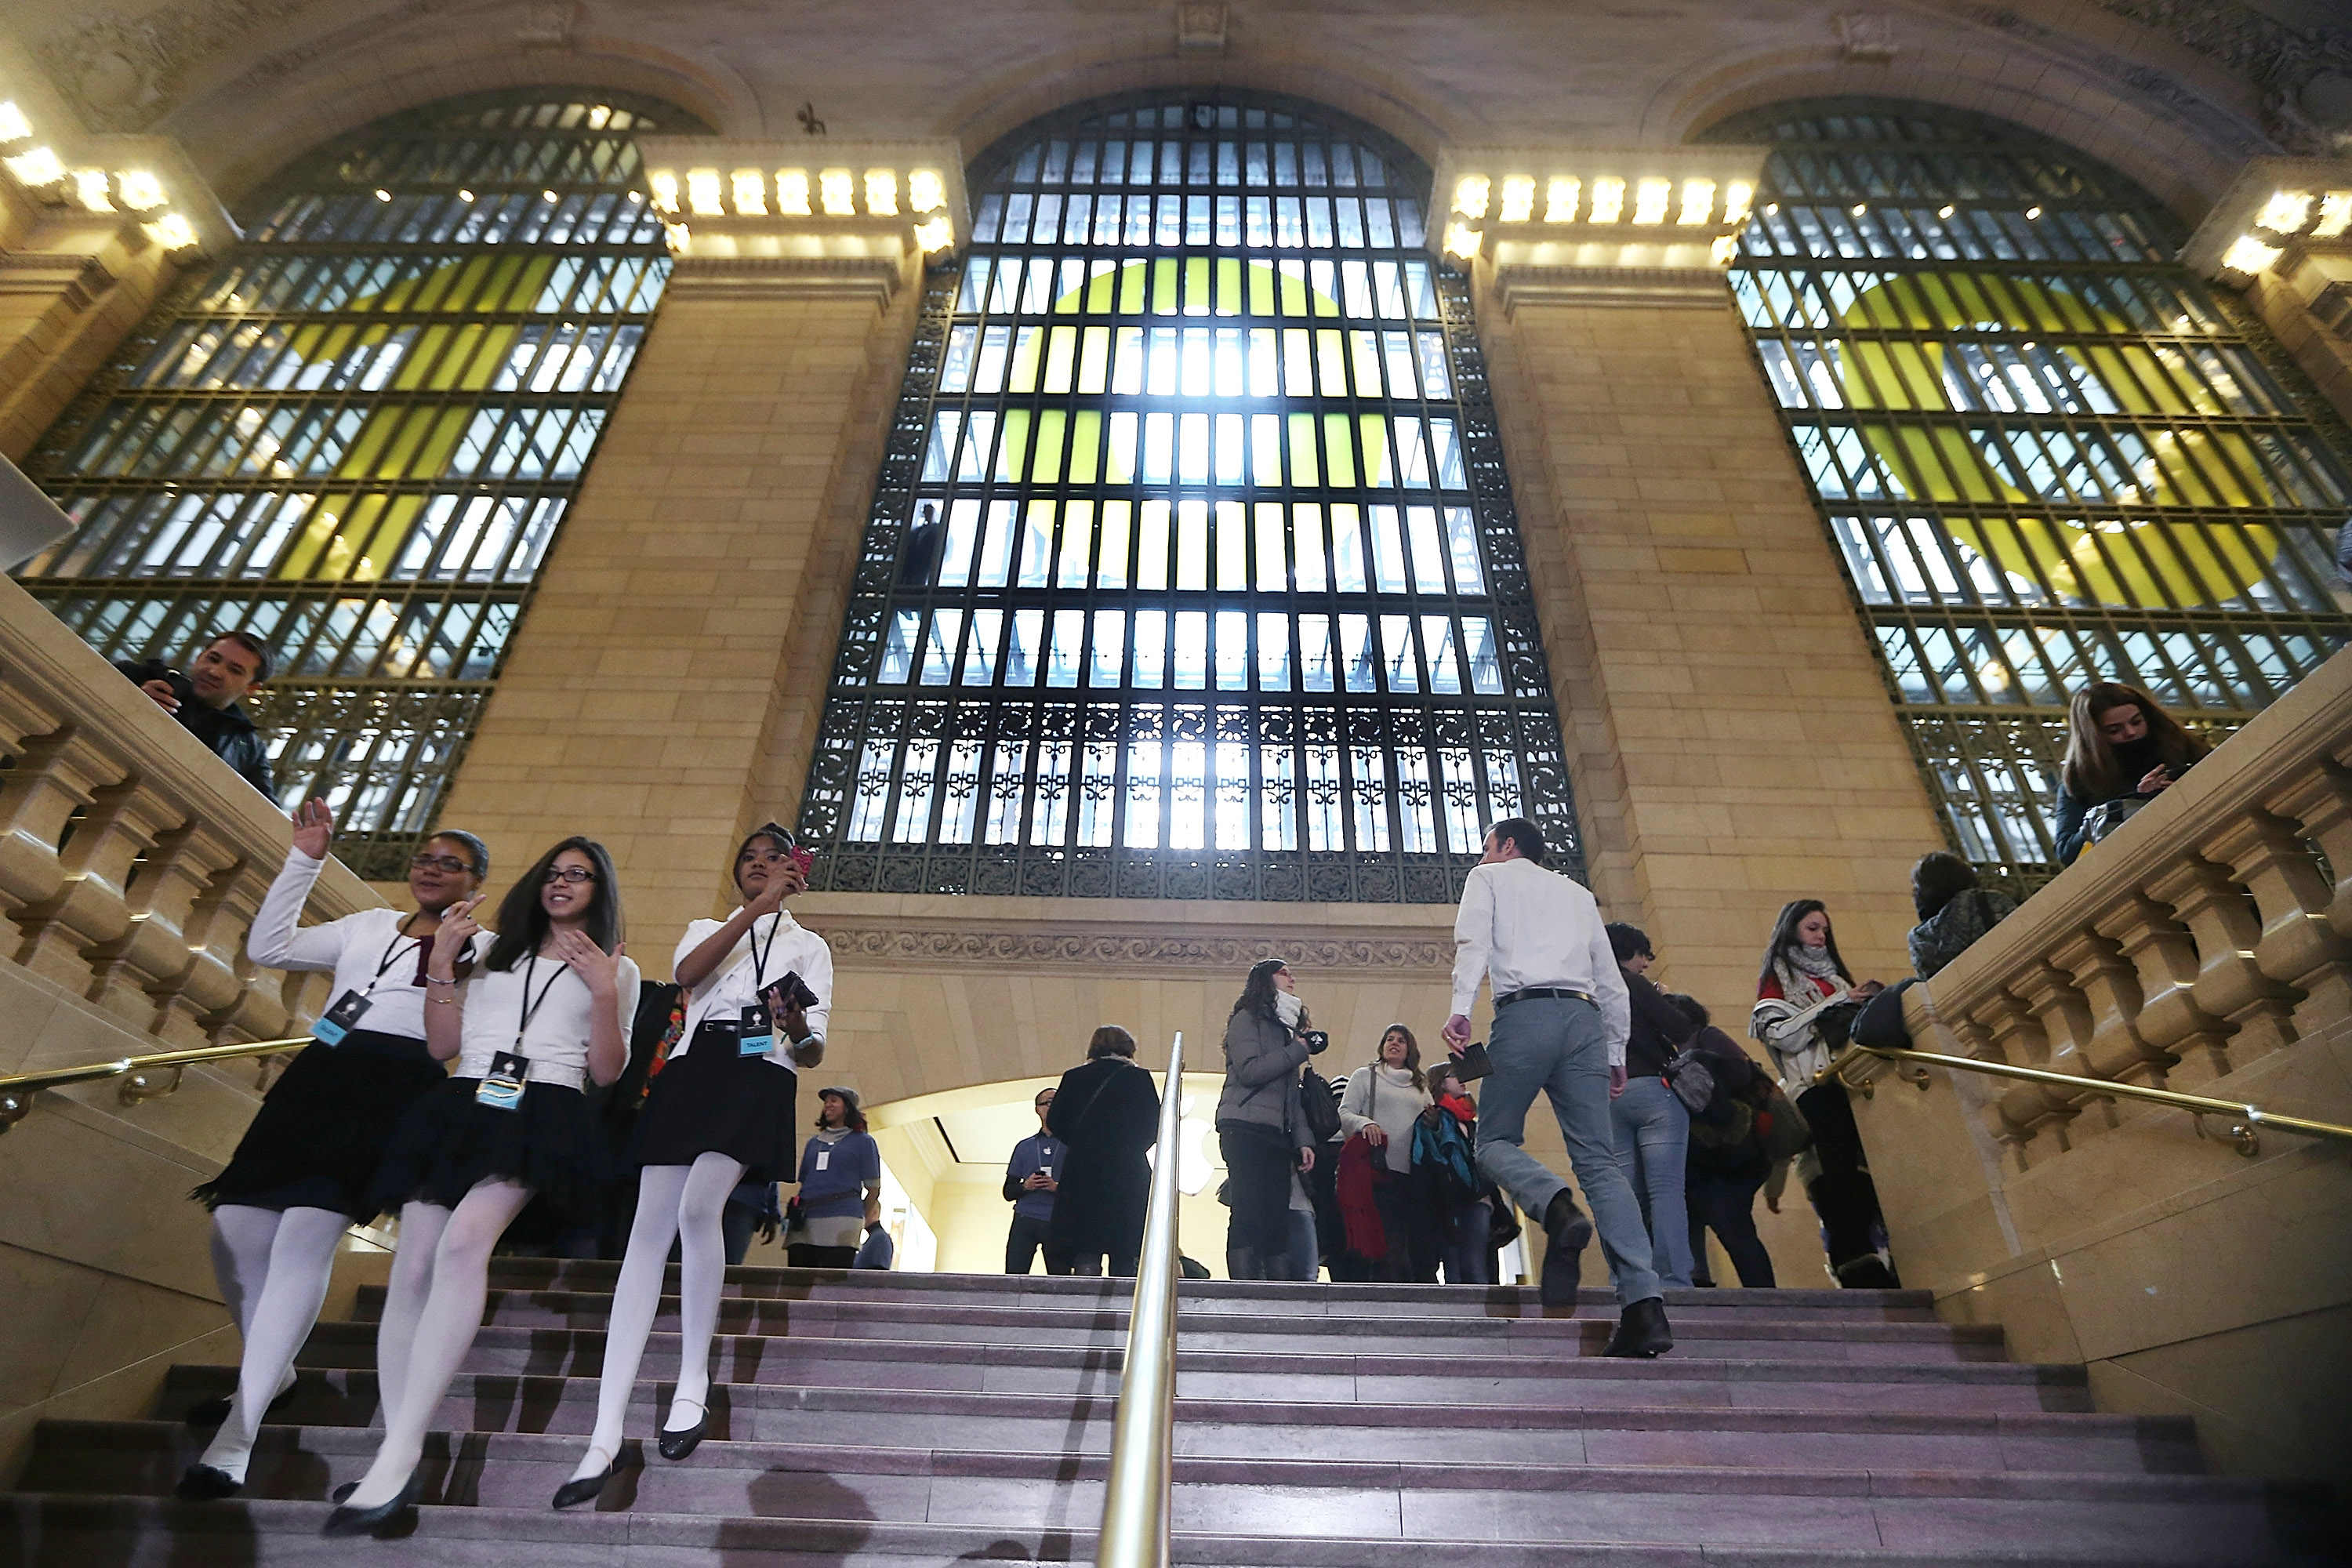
[
  {"x": 2213, "y": 929},
  {"x": 131, "y": 860}
]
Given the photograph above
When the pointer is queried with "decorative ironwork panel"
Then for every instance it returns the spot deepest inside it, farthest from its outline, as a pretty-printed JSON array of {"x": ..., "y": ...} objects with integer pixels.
[
  {"x": 356, "y": 435},
  {"x": 1192, "y": 571},
  {"x": 2046, "y": 454}
]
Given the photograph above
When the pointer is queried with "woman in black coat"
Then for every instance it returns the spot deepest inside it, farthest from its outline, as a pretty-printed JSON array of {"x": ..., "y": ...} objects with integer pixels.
[{"x": 1108, "y": 1113}]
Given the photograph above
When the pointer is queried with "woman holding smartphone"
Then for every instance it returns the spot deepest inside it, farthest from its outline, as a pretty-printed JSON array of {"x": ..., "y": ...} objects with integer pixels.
[
  {"x": 545, "y": 1014},
  {"x": 718, "y": 1106},
  {"x": 300, "y": 1176}
]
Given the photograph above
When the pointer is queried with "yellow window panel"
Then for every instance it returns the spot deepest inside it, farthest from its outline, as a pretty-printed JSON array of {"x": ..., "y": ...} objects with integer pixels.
[
  {"x": 1013, "y": 446},
  {"x": 1261, "y": 289},
  {"x": 1230, "y": 301},
  {"x": 1163, "y": 287},
  {"x": 1048, "y": 466},
  {"x": 1338, "y": 450},
  {"x": 1022, "y": 375},
  {"x": 1196, "y": 286},
  {"x": 1085, "y": 445},
  {"x": 1094, "y": 360},
  {"x": 1061, "y": 350},
  {"x": 1305, "y": 471},
  {"x": 1131, "y": 279},
  {"x": 1330, "y": 363}
]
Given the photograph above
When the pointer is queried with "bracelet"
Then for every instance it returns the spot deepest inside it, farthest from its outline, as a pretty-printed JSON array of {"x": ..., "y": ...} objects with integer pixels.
[
  {"x": 436, "y": 980},
  {"x": 443, "y": 1001}
]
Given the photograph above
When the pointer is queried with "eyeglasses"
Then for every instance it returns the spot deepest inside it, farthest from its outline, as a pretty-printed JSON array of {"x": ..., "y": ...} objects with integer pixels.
[
  {"x": 439, "y": 863},
  {"x": 575, "y": 875}
]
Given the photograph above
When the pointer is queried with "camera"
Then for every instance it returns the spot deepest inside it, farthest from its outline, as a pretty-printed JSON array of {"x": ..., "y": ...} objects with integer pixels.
[{"x": 1317, "y": 1040}]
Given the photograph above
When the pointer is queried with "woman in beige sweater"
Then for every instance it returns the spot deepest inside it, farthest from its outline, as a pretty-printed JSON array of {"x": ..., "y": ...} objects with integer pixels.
[{"x": 1381, "y": 1101}]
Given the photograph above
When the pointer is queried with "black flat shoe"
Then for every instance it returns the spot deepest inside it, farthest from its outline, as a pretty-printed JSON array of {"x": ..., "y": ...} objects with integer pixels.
[
  {"x": 585, "y": 1488},
  {"x": 678, "y": 1445},
  {"x": 347, "y": 1521},
  {"x": 342, "y": 1493},
  {"x": 214, "y": 1411},
  {"x": 206, "y": 1483},
  {"x": 1642, "y": 1332}
]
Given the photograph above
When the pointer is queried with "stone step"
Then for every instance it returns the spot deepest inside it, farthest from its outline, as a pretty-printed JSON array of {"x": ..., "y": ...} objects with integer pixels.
[
  {"x": 1803, "y": 1336},
  {"x": 597, "y": 1276},
  {"x": 49, "y": 1531}
]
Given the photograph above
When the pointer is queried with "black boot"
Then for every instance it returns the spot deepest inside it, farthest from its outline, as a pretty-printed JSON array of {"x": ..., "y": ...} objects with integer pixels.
[
  {"x": 1244, "y": 1263},
  {"x": 1568, "y": 1231},
  {"x": 1642, "y": 1330}
]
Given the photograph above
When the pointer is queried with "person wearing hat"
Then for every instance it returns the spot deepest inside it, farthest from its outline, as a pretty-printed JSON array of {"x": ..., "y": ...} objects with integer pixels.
[
  {"x": 841, "y": 1184},
  {"x": 719, "y": 1110}
]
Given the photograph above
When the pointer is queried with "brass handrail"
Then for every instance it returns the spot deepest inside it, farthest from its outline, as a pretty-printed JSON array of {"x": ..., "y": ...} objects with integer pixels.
[
  {"x": 16, "y": 1091},
  {"x": 2245, "y": 1133},
  {"x": 1136, "y": 1510}
]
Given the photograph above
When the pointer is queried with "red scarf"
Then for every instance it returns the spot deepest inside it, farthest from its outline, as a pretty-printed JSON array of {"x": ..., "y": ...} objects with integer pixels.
[{"x": 1464, "y": 1111}]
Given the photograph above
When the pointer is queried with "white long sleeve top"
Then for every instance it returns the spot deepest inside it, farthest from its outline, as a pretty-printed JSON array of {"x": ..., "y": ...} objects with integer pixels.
[
  {"x": 1389, "y": 1093},
  {"x": 492, "y": 1005},
  {"x": 352, "y": 949},
  {"x": 1526, "y": 926},
  {"x": 775, "y": 946}
]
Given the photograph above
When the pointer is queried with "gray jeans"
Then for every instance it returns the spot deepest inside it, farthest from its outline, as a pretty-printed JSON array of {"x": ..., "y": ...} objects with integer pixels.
[{"x": 1554, "y": 1045}]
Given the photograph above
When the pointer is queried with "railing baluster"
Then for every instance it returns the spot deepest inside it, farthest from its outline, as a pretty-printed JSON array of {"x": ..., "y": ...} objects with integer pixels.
[{"x": 1137, "y": 1506}]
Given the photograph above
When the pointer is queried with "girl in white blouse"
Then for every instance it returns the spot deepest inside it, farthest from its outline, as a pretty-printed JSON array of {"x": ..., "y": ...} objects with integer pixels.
[
  {"x": 719, "y": 1110},
  {"x": 301, "y": 1174},
  {"x": 545, "y": 1014}
]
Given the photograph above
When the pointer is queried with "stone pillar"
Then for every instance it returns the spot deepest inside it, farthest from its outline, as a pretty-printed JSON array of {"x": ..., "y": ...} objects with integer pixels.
[{"x": 644, "y": 693}]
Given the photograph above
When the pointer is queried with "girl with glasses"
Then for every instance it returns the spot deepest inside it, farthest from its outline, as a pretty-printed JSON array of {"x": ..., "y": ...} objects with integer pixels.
[
  {"x": 300, "y": 1176},
  {"x": 545, "y": 1014}
]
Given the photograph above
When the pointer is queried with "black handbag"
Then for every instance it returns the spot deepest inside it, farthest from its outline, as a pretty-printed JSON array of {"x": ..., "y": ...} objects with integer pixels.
[{"x": 1319, "y": 1105}]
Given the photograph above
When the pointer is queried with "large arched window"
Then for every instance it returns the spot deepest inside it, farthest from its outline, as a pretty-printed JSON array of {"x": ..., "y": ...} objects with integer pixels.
[
  {"x": 2046, "y": 454},
  {"x": 1192, "y": 571},
  {"x": 356, "y": 435}
]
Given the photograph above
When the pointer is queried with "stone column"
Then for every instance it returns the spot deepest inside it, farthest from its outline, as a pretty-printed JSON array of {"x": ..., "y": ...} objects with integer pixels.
[{"x": 715, "y": 533}]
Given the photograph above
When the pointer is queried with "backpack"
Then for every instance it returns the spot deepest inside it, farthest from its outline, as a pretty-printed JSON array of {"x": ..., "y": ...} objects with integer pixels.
[
  {"x": 1320, "y": 1105},
  {"x": 1439, "y": 1146}
]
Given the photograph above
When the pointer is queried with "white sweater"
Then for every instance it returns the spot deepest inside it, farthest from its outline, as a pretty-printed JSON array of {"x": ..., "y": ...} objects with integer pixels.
[{"x": 1396, "y": 1102}]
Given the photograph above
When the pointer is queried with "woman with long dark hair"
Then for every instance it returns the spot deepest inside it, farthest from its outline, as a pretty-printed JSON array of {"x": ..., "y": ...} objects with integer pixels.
[
  {"x": 1805, "y": 998},
  {"x": 719, "y": 1110},
  {"x": 545, "y": 1014},
  {"x": 2121, "y": 747},
  {"x": 1107, "y": 1116},
  {"x": 1261, "y": 1121},
  {"x": 1954, "y": 909},
  {"x": 1382, "y": 1101},
  {"x": 300, "y": 1176}
]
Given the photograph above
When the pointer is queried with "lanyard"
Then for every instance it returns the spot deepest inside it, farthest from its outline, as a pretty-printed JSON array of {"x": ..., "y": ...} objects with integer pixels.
[
  {"x": 398, "y": 936},
  {"x": 759, "y": 955},
  {"x": 529, "y": 1003}
]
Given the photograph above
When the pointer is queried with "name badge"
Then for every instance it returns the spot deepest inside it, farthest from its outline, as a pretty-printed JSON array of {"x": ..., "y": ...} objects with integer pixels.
[
  {"x": 1046, "y": 1172},
  {"x": 341, "y": 1019},
  {"x": 823, "y": 1158},
  {"x": 502, "y": 1085},
  {"x": 759, "y": 1036}
]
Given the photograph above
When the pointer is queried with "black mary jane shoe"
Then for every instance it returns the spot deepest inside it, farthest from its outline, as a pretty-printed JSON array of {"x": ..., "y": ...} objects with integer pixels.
[
  {"x": 678, "y": 1445},
  {"x": 214, "y": 1411},
  {"x": 342, "y": 1493},
  {"x": 347, "y": 1521},
  {"x": 583, "y": 1488},
  {"x": 206, "y": 1483}
]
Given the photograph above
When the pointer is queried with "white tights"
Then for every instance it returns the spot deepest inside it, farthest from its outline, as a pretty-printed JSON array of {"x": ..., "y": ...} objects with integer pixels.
[
  {"x": 273, "y": 1271},
  {"x": 440, "y": 1279},
  {"x": 673, "y": 1201}
]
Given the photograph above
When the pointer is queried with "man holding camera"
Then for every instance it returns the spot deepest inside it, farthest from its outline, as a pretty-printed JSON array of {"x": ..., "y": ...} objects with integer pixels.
[
  {"x": 1560, "y": 1027},
  {"x": 205, "y": 700}
]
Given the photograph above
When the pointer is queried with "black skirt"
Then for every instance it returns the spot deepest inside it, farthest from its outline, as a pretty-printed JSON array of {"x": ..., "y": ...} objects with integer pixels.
[
  {"x": 449, "y": 1140},
  {"x": 320, "y": 1134},
  {"x": 715, "y": 1100}
]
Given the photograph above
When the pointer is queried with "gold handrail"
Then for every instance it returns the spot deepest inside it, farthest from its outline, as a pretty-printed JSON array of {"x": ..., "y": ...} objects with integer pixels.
[
  {"x": 2245, "y": 1133},
  {"x": 1137, "y": 1511},
  {"x": 17, "y": 1090}
]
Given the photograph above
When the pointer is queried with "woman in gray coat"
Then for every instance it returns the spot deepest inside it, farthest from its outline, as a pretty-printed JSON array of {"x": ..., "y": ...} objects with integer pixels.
[{"x": 1261, "y": 1122}]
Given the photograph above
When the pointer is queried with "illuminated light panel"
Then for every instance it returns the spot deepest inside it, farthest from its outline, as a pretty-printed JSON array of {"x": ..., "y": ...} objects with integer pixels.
[
  {"x": 382, "y": 194},
  {"x": 548, "y": 196},
  {"x": 138, "y": 190},
  {"x": 1462, "y": 240},
  {"x": 663, "y": 182},
  {"x": 1608, "y": 199},
  {"x": 2285, "y": 213},
  {"x": 13, "y": 126},
  {"x": 170, "y": 231},
  {"x": 1470, "y": 193},
  {"x": 1698, "y": 202},
  {"x": 938, "y": 233},
  {"x": 2248, "y": 254},
  {"x": 702, "y": 197},
  {"x": 1518, "y": 199},
  {"x": 837, "y": 193},
  {"x": 1739, "y": 201},
  {"x": 2335, "y": 215},
  {"x": 1726, "y": 247},
  {"x": 1560, "y": 197},
  {"x": 35, "y": 167},
  {"x": 599, "y": 116},
  {"x": 792, "y": 192},
  {"x": 882, "y": 193},
  {"x": 678, "y": 237},
  {"x": 89, "y": 190},
  {"x": 1650, "y": 199},
  {"x": 925, "y": 192},
  {"x": 751, "y": 190}
]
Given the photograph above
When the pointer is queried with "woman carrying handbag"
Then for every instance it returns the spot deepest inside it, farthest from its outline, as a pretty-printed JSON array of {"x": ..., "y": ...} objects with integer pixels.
[{"x": 1383, "y": 1101}]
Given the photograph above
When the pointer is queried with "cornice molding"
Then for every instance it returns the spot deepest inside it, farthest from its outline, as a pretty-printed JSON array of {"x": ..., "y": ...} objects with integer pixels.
[
  {"x": 707, "y": 279},
  {"x": 1015, "y": 948},
  {"x": 1672, "y": 288}
]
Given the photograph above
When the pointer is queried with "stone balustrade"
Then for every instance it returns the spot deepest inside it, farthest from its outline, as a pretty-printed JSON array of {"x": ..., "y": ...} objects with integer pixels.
[
  {"x": 131, "y": 860},
  {"x": 2213, "y": 929}
]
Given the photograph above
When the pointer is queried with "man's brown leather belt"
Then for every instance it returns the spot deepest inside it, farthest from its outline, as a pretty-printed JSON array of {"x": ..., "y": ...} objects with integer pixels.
[{"x": 1536, "y": 993}]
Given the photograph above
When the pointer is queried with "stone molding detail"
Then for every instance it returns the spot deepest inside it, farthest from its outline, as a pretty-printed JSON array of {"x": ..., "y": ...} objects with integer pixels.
[
  {"x": 1133, "y": 949},
  {"x": 713, "y": 277},
  {"x": 1201, "y": 27},
  {"x": 1673, "y": 288},
  {"x": 118, "y": 71},
  {"x": 1864, "y": 37},
  {"x": 77, "y": 281}
]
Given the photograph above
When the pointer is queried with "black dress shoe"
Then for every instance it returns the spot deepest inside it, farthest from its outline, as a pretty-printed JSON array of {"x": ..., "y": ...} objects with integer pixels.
[
  {"x": 214, "y": 1411},
  {"x": 347, "y": 1521},
  {"x": 678, "y": 1445},
  {"x": 1642, "y": 1330},
  {"x": 1568, "y": 1231},
  {"x": 584, "y": 1489},
  {"x": 206, "y": 1483}
]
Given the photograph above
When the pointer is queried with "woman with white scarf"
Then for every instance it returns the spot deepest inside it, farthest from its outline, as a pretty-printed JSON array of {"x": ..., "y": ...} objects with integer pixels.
[
  {"x": 1261, "y": 1121},
  {"x": 1805, "y": 997}
]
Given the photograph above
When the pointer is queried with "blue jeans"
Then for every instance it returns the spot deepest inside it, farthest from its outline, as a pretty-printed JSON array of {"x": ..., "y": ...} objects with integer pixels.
[
  {"x": 1554, "y": 1046},
  {"x": 1462, "y": 1243},
  {"x": 1653, "y": 1145},
  {"x": 1306, "y": 1258}
]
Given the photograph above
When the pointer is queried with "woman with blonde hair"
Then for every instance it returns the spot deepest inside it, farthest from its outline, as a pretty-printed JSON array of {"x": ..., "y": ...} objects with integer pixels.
[{"x": 2122, "y": 752}]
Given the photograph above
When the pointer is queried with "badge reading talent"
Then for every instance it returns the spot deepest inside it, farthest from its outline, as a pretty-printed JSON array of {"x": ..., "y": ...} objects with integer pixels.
[
  {"x": 502, "y": 1085},
  {"x": 341, "y": 1018},
  {"x": 758, "y": 1031}
]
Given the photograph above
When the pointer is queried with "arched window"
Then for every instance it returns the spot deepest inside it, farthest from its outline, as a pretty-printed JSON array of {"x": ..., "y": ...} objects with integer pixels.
[
  {"x": 355, "y": 435},
  {"x": 1192, "y": 571},
  {"x": 2046, "y": 453}
]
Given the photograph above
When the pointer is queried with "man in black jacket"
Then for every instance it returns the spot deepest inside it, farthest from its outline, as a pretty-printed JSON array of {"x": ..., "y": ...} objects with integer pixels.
[{"x": 205, "y": 700}]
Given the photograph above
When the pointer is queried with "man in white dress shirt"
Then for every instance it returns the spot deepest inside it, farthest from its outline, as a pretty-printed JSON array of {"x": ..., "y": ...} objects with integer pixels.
[{"x": 1560, "y": 1023}]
